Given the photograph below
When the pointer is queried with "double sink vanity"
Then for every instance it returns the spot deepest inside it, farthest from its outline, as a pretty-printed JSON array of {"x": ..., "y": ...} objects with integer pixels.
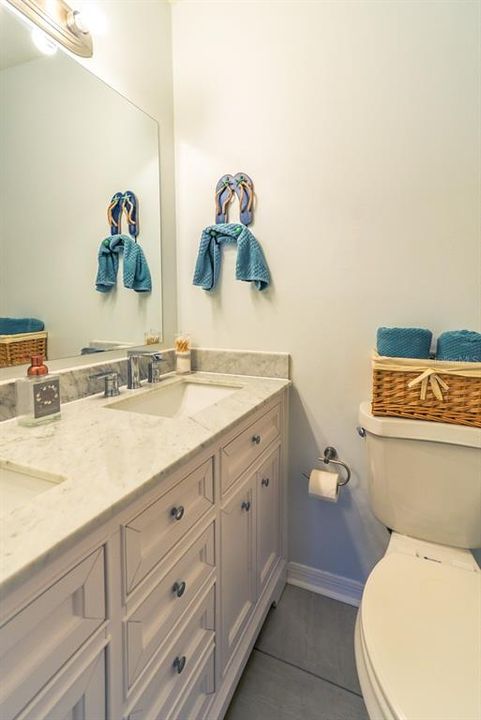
[{"x": 143, "y": 543}]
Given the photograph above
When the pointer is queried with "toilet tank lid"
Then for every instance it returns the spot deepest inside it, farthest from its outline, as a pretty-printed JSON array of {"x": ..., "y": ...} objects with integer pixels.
[{"x": 418, "y": 429}]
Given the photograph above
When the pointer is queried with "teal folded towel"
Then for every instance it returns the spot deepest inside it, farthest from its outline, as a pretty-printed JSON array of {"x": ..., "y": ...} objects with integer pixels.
[
  {"x": 15, "y": 326},
  {"x": 459, "y": 345},
  {"x": 404, "y": 342},
  {"x": 136, "y": 273},
  {"x": 251, "y": 265}
]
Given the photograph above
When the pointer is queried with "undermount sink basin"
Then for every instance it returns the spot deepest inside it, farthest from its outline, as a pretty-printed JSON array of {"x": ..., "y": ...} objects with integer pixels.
[
  {"x": 177, "y": 399},
  {"x": 19, "y": 485}
]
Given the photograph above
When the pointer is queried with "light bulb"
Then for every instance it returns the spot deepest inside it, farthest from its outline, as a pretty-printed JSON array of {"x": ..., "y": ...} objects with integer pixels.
[
  {"x": 92, "y": 19},
  {"x": 43, "y": 43},
  {"x": 76, "y": 22}
]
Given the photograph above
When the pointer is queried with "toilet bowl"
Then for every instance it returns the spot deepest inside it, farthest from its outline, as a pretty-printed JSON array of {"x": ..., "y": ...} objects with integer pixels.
[
  {"x": 418, "y": 634},
  {"x": 418, "y": 629}
]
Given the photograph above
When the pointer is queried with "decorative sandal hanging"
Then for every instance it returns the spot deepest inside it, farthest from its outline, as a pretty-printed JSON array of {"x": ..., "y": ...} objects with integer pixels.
[
  {"x": 119, "y": 203},
  {"x": 223, "y": 195},
  {"x": 244, "y": 188}
]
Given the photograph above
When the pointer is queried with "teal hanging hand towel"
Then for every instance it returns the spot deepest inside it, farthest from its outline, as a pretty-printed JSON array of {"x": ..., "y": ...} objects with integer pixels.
[
  {"x": 251, "y": 264},
  {"x": 136, "y": 273}
]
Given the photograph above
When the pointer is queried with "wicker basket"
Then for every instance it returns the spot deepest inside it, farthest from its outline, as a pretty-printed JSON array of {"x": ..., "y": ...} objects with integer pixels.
[
  {"x": 447, "y": 392},
  {"x": 18, "y": 349}
]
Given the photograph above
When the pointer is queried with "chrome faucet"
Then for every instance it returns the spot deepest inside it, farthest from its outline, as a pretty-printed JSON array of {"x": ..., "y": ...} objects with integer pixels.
[
  {"x": 111, "y": 382},
  {"x": 133, "y": 368}
]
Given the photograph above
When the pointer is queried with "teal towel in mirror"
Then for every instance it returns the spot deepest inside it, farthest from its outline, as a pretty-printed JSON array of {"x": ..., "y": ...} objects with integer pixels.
[
  {"x": 459, "y": 345},
  {"x": 404, "y": 342},
  {"x": 136, "y": 273},
  {"x": 251, "y": 265},
  {"x": 15, "y": 326}
]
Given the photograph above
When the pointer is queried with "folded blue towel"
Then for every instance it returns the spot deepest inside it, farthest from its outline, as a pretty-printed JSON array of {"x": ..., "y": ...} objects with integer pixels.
[
  {"x": 251, "y": 265},
  {"x": 15, "y": 326},
  {"x": 459, "y": 345},
  {"x": 136, "y": 270},
  {"x": 404, "y": 342}
]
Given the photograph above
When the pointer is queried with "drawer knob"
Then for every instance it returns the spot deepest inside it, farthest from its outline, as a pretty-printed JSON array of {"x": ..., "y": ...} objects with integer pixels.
[
  {"x": 246, "y": 505},
  {"x": 177, "y": 512},
  {"x": 179, "y": 588},
  {"x": 179, "y": 663},
  {"x": 256, "y": 439},
  {"x": 265, "y": 482}
]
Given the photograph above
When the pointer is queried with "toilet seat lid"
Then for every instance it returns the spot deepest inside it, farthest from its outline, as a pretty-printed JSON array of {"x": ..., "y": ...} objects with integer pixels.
[{"x": 421, "y": 626}]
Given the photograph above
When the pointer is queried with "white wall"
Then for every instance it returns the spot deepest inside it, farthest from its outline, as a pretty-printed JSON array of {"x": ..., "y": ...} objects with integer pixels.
[
  {"x": 60, "y": 166},
  {"x": 134, "y": 56},
  {"x": 359, "y": 123}
]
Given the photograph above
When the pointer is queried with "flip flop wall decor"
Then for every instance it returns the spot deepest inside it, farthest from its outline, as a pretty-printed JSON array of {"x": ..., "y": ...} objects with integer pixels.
[
  {"x": 244, "y": 188},
  {"x": 119, "y": 203},
  {"x": 241, "y": 185},
  {"x": 223, "y": 195}
]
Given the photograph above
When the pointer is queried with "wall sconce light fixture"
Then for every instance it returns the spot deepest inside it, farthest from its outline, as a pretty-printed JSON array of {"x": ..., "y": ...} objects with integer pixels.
[{"x": 59, "y": 21}]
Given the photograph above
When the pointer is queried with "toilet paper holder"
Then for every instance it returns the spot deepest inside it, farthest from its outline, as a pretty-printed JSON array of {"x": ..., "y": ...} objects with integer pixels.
[{"x": 330, "y": 457}]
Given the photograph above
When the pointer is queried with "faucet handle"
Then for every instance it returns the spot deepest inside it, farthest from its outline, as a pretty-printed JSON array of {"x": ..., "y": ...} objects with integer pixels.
[
  {"x": 154, "y": 374},
  {"x": 111, "y": 378},
  {"x": 145, "y": 353}
]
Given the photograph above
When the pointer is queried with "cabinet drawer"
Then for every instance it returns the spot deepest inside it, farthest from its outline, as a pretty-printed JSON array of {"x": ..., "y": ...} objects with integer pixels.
[
  {"x": 153, "y": 619},
  {"x": 177, "y": 666},
  {"x": 246, "y": 447},
  {"x": 149, "y": 536},
  {"x": 198, "y": 700},
  {"x": 40, "y": 639}
]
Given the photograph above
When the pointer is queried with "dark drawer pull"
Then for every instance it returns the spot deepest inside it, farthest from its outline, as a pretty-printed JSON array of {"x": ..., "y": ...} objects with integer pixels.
[
  {"x": 265, "y": 482},
  {"x": 177, "y": 512},
  {"x": 179, "y": 588},
  {"x": 246, "y": 505},
  {"x": 179, "y": 663},
  {"x": 256, "y": 439}
]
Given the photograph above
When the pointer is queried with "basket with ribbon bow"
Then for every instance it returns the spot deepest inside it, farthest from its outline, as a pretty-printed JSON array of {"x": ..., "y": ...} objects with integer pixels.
[{"x": 436, "y": 390}]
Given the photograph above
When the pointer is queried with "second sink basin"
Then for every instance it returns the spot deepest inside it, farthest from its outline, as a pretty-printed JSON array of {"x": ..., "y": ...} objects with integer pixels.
[
  {"x": 19, "y": 485},
  {"x": 176, "y": 399}
]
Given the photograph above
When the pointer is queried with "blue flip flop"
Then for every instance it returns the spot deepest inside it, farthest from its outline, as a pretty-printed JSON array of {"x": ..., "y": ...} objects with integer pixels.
[
  {"x": 114, "y": 213},
  {"x": 223, "y": 196},
  {"x": 131, "y": 209},
  {"x": 244, "y": 188}
]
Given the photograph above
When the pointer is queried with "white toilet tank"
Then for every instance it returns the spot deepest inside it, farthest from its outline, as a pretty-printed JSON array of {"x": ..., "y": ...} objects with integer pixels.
[{"x": 425, "y": 478}]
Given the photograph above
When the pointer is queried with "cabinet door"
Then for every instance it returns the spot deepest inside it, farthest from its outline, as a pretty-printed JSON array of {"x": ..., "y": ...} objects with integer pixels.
[
  {"x": 268, "y": 519},
  {"x": 38, "y": 641},
  {"x": 237, "y": 565},
  {"x": 78, "y": 693}
]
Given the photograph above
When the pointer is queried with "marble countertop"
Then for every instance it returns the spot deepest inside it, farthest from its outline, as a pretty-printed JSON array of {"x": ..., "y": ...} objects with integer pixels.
[{"x": 108, "y": 459}]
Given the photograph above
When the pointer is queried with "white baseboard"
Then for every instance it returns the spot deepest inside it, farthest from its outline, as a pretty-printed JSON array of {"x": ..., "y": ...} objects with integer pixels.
[{"x": 324, "y": 583}]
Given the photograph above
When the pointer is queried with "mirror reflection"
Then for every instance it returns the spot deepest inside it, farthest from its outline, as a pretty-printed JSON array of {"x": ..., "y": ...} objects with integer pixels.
[{"x": 79, "y": 174}]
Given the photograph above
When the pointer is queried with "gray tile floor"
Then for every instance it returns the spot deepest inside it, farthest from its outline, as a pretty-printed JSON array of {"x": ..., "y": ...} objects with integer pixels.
[{"x": 302, "y": 667}]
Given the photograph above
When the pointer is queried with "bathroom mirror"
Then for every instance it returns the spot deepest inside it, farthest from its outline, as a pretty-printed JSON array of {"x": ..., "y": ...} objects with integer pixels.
[{"x": 68, "y": 143}]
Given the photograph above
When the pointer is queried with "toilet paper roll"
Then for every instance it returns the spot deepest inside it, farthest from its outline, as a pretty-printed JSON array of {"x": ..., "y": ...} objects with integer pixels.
[{"x": 324, "y": 485}]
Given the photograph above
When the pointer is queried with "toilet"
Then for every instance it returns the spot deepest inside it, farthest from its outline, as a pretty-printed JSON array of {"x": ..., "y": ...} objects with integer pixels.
[{"x": 418, "y": 629}]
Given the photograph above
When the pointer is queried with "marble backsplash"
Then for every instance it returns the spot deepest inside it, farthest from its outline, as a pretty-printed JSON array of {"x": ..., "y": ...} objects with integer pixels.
[
  {"x": 76, "y": 382},
  {"x": 241, "y": 362}
]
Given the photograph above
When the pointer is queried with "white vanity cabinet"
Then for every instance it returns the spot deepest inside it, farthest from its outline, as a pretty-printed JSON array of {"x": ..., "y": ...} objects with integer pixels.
[{"x": 153, "y": 616}]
